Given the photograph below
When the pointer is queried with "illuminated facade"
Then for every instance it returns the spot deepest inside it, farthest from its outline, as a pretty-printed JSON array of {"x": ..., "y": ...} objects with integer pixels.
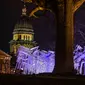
[
  {"x": 79, "y": 59},
  {"x": 23, "y": 33},
  {"x": 4, "y": 62},
  {"x": 34, "y": 61}
]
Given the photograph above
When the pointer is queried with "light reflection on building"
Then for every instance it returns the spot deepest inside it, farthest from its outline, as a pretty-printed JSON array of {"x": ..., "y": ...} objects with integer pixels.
[
  {"x": 79, "y": 59},
  {"x": 4, "y": 62},
  {"x": 34, "y": 61}
]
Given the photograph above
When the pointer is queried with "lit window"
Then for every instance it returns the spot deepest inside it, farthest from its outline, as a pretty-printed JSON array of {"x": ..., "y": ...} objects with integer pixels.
[{"x": 24, "y": 37}]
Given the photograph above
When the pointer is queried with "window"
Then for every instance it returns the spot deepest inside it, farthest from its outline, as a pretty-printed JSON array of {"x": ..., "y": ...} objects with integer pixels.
[
  {"x": 24, "y": 37},
  {"x": 19, "y": 37}
]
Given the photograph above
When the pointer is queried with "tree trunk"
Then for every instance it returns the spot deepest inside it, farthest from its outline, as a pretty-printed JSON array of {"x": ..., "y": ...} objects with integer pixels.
[
  {"x": 69, "y": 36},
  {"x": 64, "y": 45}
]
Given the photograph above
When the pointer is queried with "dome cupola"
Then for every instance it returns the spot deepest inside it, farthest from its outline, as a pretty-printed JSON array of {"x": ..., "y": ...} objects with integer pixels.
[{"x": 23, "y": 25}]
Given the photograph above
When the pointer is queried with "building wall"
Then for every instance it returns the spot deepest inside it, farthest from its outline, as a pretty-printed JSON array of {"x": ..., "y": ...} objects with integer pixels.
[{"x": 5, "y": 64}]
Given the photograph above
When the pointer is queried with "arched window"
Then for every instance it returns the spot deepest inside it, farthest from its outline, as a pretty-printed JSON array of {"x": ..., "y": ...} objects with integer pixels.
[
  {"x": 24, "y": 37},
  {"x": 19, "y": 37}
]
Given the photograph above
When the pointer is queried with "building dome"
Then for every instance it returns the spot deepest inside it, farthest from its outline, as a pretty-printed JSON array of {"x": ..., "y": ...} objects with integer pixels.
[
  {"x": 23, "y": 34},
  {"x": 23, "y": 26}
]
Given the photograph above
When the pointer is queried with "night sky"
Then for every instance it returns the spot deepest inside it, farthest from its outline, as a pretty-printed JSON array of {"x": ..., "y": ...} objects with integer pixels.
[
  {"x": 11, "y": 13},
  {"x": 79, "y": 26},
  {"x": 44, "y": 27}
]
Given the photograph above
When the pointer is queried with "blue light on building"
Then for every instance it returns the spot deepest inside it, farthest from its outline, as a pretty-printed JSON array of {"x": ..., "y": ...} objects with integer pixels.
[
  {"x": 79, "y": 59},
  {"x": 34, "y": 61}
]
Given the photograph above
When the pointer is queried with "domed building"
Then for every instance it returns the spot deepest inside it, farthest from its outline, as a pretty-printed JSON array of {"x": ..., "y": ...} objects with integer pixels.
[{"x": 22, "y": 34}]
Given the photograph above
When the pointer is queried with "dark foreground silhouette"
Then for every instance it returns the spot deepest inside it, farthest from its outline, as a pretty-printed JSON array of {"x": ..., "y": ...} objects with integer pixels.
[{"x": 42, "y": 79}]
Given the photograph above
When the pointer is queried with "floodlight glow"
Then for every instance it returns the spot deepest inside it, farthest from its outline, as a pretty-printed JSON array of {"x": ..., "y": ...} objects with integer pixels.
[
  {"x": 34, "y": 61},
  {"x": 79, "y": 60}
]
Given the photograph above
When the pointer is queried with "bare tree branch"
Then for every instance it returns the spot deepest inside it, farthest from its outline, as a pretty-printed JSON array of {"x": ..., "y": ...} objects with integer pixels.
[{"x": 77, "y": 4}]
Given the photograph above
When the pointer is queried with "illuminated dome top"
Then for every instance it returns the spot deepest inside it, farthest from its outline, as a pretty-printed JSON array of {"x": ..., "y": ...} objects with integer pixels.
[{"x": 23, "y": 25}]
